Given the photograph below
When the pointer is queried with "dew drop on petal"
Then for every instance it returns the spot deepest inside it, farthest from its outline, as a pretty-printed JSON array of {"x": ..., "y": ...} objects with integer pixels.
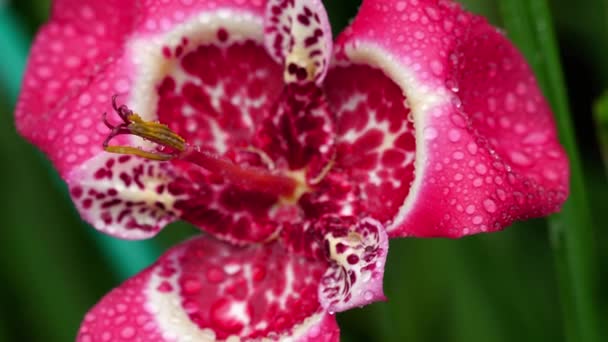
[
  {"x": 520, "y": 158},
  {"x": 127, "y": 332},
  {"x": 477, "y": 219},
  {"x": 481, "y": 169},
  {"x": 489, "y": 205},
  {"x": 454, "y": 135}
]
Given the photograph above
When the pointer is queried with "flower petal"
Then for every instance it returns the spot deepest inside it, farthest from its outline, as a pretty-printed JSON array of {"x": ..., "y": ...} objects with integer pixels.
[
  {"x": 134, "y": 198},
  {"x": 207, "y": 290},
  {"x": 298, "y": 35},
  {"x": 355, "y": 276},
  {"x": 299, "y": 133},
  {"x": 186, "y": 63},
  {"x": 375, "y": 141},
  {"x": 486, "y": 146},
  {"x": 125, "y": 196},
  {"x": 63, "y": 93},
  {"x": 91, "y": 50}
]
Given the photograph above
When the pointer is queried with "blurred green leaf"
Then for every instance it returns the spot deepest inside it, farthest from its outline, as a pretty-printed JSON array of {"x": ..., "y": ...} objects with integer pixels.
[
  {"x": 530, "y": 25},
  {"x": 601, "y": 119}
]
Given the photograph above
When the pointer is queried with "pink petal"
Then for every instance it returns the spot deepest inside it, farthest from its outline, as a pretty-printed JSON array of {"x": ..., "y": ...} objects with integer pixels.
[
  {"x": 486, "y": 147},
  {"x": 375, "y": 145},
  {"x": 133, "y": 198},
  {"x": 125, "y": 196},
  {"x": 206, "y": 290},
  {"x": 358, "y": 256},
  {"x": 298, "y": 36},
  {"x": 169, "y": 50},
  {"x": 299, "y": 134},
  {"x": 91, "y": 50}
]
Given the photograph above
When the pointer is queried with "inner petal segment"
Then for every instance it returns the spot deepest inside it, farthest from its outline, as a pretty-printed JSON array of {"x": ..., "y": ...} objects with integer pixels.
[
  {"x": 298, "y": 35},
  {"x": 213, "y": 95},
  {"x": 358, "y": 254},
  {"x": 375, "y": 137},
  {"x": 207, "y": 290}
]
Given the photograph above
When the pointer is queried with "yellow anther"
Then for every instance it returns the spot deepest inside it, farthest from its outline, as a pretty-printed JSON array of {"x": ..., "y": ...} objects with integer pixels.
[
  {"x": 156, "y": 132},
  {"x": 149, "y": 130}
]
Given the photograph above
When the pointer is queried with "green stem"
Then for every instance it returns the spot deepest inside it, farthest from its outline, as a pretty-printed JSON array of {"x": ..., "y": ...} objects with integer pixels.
[
  {"x": 125, "y": 257},
  {"x": 530, "y": 26},
  {"x": 600, "y": 113}
]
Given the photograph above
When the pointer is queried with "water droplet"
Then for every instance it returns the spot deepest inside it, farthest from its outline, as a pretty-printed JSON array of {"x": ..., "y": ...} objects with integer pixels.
[
  {"x": 448, "y": 25},
  {"x": 535, "y": 138},
  {"x": 232, "y": 268},
  {"x": 472, "y": 148},
  {"x": 458, "y": 155},
  {"x": 458, "y": 120},
  {"x": 410, "y": 116},
  {"x": 436, "y": 67},
  {"x": 520, "y": 158},
  {"x": 368, "y": 295},
  {"x": 489, "y": 205},
  {"x": 510, "y": 102},
  {"x": 502, "y": 195},
  {"x": 550, "y": 174},
  {"x": 127, "y": 332},
  {"x": 481, "y": 169},
  {"x": 456, "y": 101},
  {"x": 454, "y": 135},
  {"x": 452, "y": 85},
  {"x": 477, "y": 219},
  {"x": 470, "y": 209}
]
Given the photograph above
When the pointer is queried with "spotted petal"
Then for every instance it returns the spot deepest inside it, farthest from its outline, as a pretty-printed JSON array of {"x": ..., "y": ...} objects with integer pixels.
[
  {"x": 355, "y": 276},
  {"x": 486, "y": 150},
  {"x": 206, "y": 290},
  {"x": 298, "y": 35},
  {"x": 187, "y": 64}
]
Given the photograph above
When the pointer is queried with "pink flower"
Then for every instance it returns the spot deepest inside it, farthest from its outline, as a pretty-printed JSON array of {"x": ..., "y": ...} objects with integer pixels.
[{"x": 296, "y": 157}]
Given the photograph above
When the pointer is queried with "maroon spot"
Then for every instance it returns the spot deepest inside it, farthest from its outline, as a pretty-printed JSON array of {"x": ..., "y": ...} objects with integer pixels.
[
  {"x": 340, "y": 248},
  {"x": 393, "y": 157},
  {"x": 165, "y": 287},
  {"x": 106, "y": 217},
  {"x": 76, "y": 192},
  {"x": 222, "y": 35},
  {"x": 87, "y": 203},
  {"x": 369, "y": 141},
  {"x": 166, "y": 52},
  {"x": 352, "y": 259},
  {"x": 100, "y": 174},
  {"x": 303, "y": 19},
  {"x": 111, "y": 203},
  {"x": 124, "y": 159},
  {"x": 125, "y": 178}
]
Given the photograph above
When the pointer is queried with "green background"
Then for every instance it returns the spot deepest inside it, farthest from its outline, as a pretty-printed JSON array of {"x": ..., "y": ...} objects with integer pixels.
[{"x": 528, "y": 283}]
